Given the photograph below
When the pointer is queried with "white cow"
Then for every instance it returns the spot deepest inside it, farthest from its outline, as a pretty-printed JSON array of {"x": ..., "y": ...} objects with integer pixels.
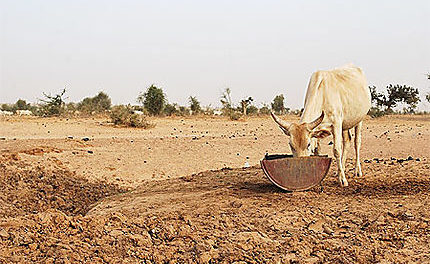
[
  {"x": 5, "y": 113},
  {"x": 24, "y": 112},
  {"x": 336, "y": 102}
]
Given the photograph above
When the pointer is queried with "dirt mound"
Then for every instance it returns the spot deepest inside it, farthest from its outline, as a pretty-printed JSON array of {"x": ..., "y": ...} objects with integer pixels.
[
  {"x": 222, "y": 216},
  {"x": 27, "y": 189}
]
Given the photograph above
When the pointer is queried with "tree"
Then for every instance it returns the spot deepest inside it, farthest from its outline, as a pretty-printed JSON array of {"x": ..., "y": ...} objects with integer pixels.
[
  {"x": 194, "y": 105},
  {"x": 245, "y": 103},
  {"x": 265, "y": 109},
  {"x": 21, "y": 105},
  {"x": 395, "y": 94},
  {"x": 97, "y": 104},
  {"x": 53, "y": 105},
  {"x": 226, "y": 99},
  {"x": 153, "y": 100},
  {"x": 278, "y": 104},
  {"x": 227, "y": 105}
]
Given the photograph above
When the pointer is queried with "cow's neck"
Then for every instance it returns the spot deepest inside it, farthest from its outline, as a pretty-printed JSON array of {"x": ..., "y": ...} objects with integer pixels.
[{"x": 313, "y": 105}]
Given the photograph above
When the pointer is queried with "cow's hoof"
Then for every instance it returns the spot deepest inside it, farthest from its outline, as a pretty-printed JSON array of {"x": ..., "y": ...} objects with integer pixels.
[{"x": 343, "y": 182}]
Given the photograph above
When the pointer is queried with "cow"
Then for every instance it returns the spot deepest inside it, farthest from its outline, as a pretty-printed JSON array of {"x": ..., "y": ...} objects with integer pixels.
[
  {"x": 24, "y": 112},
  {"x": 5, "y": 113},
  {"x": 336, "y": 102}
]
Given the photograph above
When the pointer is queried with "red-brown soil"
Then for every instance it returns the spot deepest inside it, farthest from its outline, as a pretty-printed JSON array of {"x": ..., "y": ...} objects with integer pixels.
[{"x": 51, "y": 213}]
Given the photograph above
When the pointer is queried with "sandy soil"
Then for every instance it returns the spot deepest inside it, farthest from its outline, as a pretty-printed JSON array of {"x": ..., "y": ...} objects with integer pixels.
[{"x": 64, "y": 199}]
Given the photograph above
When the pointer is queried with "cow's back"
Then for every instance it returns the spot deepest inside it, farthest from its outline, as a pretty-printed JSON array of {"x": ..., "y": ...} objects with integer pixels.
[{"x": 341, "y": 92}]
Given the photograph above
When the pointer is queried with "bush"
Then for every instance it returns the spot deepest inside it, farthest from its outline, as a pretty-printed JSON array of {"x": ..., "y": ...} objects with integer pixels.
[
  {"x": 53, "y": 105},
  {"x": 234, "y": 115},
  {"x": 252, "y": 110},
  {"x": 97, "y": 104},
  {"x": 278, "y": 104},
  {"x": 264, "y": 110},
  {"x": 376, "y": 112},
  {"x": 194, "y": 105},
  {"x": 170, "y": 109},
  {"x": 153, "y": 100},
  {"x": 123, "y": 115}
]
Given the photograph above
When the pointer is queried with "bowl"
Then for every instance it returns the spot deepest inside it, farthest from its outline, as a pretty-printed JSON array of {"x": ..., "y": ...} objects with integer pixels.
[{"x": 295, "y": 174}]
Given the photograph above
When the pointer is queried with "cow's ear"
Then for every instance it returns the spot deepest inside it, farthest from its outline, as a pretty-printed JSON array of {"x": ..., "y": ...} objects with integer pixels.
[{"x": 321, "y": 133}]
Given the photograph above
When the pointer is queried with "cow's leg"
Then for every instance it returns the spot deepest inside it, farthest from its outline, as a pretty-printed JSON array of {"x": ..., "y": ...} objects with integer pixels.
[
  {"x": 337, "y": 152},
  {"x": 357, "y": 145},
  {"x": 346, "y": 138},
  {"x": 318, "y": 148}
]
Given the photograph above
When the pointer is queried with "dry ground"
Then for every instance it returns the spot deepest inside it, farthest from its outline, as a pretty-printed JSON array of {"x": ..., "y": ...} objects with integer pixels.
[{"x": 64, "y": 199}]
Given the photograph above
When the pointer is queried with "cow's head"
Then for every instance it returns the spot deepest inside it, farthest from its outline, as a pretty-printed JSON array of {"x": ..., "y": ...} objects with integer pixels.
[{"x": 302, "y": 136}]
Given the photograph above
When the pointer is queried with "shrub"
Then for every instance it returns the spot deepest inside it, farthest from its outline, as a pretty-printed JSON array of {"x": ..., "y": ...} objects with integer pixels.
[
  {"x": 52, "y": 105},
  {"x": 153, "y": 100},
  {"x": 252, "y": 110},
  {"x": 194, "y": 105},
  {"x": 170, "y": 109},
  {"x": 123, "y": 115},
  {"x": 376, "y": 112},
  {"x": 234, "y": 115},
  {"x": 97, "y": 104},
  {"x": 278, "y": 104},
  {"x": 228, "y": 108},
  {"x": 264, "y": 110}
]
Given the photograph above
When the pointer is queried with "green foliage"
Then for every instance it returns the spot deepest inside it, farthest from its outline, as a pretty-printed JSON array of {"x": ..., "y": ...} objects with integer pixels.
[
  {"x": 183, "y": 111},
  {"x": 124, "y": 115},
  {"x": 170, "y": 109},
  {"x": 252, "y": 110},
  {"x": 375, "y": 112},
  {"x": 53, "y": 105},
  {"x": 7, "y": 107},
  {"x": 153, "y": 100},
  {"x": 22, "y": 105},
  {"x": 97, "y": 104},
  {"x": 195, "y": 105},
  {"x": 278, "y": 104},
  {"x": 395, "y": 94},
  {"x": 265, "y": 109}
]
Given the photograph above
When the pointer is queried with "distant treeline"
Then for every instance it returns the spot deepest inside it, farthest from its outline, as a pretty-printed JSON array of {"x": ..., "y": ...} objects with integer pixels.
[{"x": 153, "y": 102}]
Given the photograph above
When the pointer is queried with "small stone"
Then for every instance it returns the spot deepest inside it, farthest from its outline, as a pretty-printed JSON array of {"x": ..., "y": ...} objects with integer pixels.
[
  {"x": 85, "y": 139},
  {"x": 4, "y": 234},
  {"x": 90, "y": 151}
]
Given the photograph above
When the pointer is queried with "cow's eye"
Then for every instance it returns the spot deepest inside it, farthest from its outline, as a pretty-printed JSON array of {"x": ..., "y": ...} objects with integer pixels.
[{"x": 309, "y": 145}]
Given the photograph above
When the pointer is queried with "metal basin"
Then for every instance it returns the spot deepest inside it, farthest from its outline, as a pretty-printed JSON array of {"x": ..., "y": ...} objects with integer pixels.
[{"x": 295, "y": 174}]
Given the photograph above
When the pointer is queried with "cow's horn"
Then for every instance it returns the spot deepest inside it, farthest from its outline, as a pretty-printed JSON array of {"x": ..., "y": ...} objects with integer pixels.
[
  {"x": 284, "y": 125},
  {"x": 316, "y": 122}
]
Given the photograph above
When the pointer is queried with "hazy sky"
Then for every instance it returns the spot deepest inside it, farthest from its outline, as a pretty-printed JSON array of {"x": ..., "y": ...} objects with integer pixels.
[{"x": 257, "y": 48}]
